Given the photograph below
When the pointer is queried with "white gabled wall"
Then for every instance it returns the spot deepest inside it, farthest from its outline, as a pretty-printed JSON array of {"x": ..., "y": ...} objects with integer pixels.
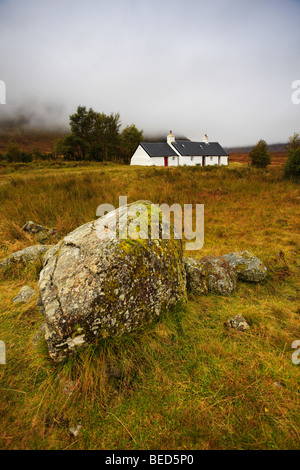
[{"x": 140, "y": 157}]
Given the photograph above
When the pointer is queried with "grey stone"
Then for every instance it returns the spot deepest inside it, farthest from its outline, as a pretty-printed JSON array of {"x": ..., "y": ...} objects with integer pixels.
[
  {"x": 25, "y": 293},
  {"x": 42, "y": 233},
  {"x": 74, "y": 430},
  {"x": 238, "y": 322},
  {"x": 93, "y": 287},
  {"x": 196, "y": 280},
  {"x": 221, "y": 279},
  {"x": 31, "y": 253},
  {"x": 247, "y": 266},
  {"x": 31, "y": 227}
]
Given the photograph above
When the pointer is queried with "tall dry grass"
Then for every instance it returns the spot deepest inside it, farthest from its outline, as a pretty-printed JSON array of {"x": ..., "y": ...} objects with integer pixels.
[{"x": 185, "y": 382}]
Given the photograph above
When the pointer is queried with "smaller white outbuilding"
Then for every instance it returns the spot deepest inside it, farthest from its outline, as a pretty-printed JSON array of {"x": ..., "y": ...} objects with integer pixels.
[{"x": 179, "y": 152}]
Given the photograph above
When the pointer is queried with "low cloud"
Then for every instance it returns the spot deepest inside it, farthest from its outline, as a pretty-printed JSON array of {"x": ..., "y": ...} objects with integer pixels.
[{"x": 224, "y": 67}]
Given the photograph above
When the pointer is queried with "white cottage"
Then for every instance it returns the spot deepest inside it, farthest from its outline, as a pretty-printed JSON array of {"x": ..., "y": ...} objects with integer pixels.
[{"x": 179, "y": 152}]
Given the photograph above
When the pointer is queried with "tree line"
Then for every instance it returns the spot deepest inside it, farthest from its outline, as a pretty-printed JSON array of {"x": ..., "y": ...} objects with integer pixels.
[{"x": 96, "y": 136}]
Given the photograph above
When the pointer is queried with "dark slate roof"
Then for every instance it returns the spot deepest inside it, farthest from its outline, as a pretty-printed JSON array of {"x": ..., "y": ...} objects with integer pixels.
[
  {"x": 192, "y": 149},
  {"x": 158, "y": 149}
]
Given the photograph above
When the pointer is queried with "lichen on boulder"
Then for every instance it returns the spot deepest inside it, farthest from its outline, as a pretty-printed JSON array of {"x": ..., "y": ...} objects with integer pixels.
[
  {"x": 247, "y": 266},
  {"x": 95, "y": 286}
]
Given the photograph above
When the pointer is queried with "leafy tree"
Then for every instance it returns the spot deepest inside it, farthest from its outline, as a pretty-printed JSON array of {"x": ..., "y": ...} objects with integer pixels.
[
  {"x": 106, "y": 136},
  {"x": 292, "y": 166},
  {"x": 129, "y": 140},
  {"x": 294, "y": 142},
  {"x": 259, "y": 155},
  {"x": 70, "y": 146},
  {"x": 96, "y": 134},
  {"x": 82, "y": 125}
]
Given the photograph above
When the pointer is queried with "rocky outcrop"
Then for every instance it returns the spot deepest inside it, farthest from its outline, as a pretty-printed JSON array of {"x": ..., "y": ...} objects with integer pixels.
[
  {"x": 31, "y": 253},
  {"x": 247, "y": 266},
  {"x": 93, "y": 285}
]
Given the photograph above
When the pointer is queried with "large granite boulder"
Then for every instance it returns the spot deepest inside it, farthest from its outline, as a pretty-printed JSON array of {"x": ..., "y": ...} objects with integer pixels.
[
  {"x": 247, "y": 266},
  {"x": 93, "y": 285}
]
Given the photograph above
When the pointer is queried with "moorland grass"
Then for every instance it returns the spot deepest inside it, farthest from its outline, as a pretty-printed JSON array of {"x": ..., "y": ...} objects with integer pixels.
[{"x": 187, "y": 381}]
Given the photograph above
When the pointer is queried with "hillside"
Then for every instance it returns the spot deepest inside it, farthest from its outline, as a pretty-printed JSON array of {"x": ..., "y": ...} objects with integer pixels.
[
  {"x": 27, "y": 138},
  {"x": 43, "y": 140},
  {"x": 272, "y": 148}
]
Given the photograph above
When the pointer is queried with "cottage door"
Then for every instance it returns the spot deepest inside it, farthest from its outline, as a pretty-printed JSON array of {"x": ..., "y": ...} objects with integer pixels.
[{"x": 166, "y": 161}]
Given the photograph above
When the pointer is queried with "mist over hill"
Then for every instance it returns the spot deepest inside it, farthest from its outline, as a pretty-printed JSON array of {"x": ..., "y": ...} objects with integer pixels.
[{"x": 28, "y": 132}]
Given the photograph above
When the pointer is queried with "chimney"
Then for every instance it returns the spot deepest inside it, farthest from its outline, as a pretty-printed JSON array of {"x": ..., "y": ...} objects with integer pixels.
[
  {"x": 170, "y": 138},
  {"x": 205, "y": 139}
]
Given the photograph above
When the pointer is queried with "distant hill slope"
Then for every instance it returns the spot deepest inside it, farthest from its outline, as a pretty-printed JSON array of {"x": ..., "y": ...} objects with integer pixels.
[
  {"x": 39, "y": 140},
  {"x": 27, "y": 137},
  {"x": 272, "y": 148}
]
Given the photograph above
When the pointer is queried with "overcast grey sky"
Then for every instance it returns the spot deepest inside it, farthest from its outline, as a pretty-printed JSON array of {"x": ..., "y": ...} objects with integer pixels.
[{"x": 221, "y": 67}]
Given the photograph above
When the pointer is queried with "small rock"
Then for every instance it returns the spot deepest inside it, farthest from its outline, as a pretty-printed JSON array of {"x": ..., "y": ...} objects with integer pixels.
[
  {"x": 24, "y": 295},
  {"x": 247, "y": 266},
  {"x": 238, "y": 322},
  {"x": 221, "y": 279},
  {"x": 196, "y": 281},
  {"x": 28, "y": 254},
  {"x": 277, "y": 385},
  {"x": 31, "y": 227},
  {"x": 42, "y": 233},
  {"x": 74, "y": 430}
]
